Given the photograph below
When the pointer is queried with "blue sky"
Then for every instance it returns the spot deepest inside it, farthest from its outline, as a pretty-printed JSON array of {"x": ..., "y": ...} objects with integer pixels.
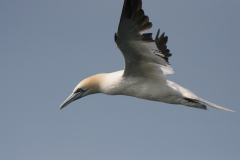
[{"x": 48, "y": 47}]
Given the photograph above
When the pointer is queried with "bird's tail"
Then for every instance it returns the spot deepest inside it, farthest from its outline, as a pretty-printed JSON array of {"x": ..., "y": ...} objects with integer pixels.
[{"x": 213, "y": 105}]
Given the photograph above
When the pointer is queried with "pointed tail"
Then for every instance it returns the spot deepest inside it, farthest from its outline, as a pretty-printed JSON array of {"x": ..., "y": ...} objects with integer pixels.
[{"x": 214, "y": 105}]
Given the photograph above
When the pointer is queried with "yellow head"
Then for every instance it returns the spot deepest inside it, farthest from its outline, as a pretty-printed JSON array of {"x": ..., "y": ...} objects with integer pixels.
[{"x": 87, "y": 86}]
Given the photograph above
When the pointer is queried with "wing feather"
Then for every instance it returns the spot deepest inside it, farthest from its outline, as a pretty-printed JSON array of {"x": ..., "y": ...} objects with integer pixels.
[{"x": 143, "y": 56}]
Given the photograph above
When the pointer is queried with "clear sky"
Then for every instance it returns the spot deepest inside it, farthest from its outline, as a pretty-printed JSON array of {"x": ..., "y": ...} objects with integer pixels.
[{"x": 47, "y": 47}]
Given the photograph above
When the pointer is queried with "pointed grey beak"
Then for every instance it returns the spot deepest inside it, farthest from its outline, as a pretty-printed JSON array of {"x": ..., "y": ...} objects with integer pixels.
[{"x": 71, "y": 98}]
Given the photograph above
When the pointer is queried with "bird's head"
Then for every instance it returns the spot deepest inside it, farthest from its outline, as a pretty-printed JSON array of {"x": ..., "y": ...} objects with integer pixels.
[{"x": 87, "y": 86}]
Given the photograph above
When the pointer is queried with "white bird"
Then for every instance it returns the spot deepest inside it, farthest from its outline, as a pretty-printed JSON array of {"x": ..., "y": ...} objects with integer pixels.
[{"x": 146, "y": 64}]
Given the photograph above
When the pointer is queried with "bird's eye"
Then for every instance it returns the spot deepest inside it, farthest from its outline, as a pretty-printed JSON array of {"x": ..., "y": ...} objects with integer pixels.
[{"x": 79, "y": 90}]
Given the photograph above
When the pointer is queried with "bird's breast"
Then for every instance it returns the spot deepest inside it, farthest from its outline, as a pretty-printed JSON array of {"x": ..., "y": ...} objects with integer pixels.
[{"x": 137, "y": 87}]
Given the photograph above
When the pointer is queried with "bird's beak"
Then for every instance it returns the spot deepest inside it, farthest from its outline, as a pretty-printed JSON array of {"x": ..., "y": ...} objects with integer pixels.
[{"x": 71, "y": 98}]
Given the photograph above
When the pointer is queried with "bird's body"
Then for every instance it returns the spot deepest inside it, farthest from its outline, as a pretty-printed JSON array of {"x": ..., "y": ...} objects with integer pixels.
[
  {"x": 146, "y": 64},
  {"x": 151, "y": 89},
  {"x": 140, "y": 87}
]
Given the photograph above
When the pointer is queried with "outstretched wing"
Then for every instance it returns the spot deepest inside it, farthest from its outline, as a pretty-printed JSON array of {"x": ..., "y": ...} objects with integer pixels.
[{"x": 143, "y": 56}]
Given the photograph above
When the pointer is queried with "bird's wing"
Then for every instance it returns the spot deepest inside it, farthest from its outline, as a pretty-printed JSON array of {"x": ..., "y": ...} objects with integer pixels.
[{"x": 143, "y": 56}]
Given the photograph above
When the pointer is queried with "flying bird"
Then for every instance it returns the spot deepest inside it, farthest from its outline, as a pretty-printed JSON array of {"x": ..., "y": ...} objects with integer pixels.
[{"x": 146, "y": 64}]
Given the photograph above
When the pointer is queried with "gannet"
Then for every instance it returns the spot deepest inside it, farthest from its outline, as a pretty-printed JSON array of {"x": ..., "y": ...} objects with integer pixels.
[{"x": 146, "y": 64}]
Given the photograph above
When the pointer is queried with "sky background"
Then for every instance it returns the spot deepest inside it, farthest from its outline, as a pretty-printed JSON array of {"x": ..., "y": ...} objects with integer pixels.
[{"x": 47, "y": 47}]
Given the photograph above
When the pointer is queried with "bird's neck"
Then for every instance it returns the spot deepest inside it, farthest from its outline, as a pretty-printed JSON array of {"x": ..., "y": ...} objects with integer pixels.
[{"x": 111, "y": 82}]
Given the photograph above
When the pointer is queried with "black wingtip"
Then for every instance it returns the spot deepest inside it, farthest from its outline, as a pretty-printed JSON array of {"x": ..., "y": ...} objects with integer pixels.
[
  {"x": 161, "y": 43},
  {"x": 157, "y": 34},
  {"x": 126, "y": 2},
  {"x": 115, "y": 37}
]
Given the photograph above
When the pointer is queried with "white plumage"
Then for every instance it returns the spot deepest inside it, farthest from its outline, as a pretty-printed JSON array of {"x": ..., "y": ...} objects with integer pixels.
[{"x": 146, "y": 64}]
